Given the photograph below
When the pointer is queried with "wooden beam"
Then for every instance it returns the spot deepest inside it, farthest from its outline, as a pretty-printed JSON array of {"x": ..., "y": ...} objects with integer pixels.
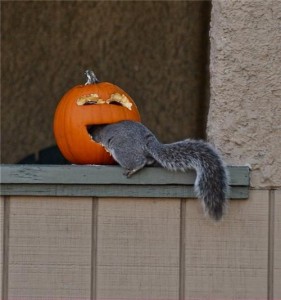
[{"x": 108, "y": 181}]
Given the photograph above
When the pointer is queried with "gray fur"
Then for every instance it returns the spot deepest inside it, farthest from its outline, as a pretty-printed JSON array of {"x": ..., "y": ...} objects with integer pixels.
[{"x": 133, "y": 146}]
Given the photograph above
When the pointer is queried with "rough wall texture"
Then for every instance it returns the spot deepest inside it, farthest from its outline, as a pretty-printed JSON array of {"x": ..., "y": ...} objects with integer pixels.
[
  {"x": 245, "y": 108},
  {"x": 156, "y": 51}
]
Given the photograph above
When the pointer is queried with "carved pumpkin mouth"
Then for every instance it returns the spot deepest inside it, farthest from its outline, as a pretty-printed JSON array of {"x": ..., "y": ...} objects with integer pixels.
[
  {"x": 91, "y": 130},
  {"x": 115, "y": 99}
]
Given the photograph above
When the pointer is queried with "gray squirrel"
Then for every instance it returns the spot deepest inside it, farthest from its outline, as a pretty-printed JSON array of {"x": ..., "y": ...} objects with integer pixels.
[{"x": 134, "y": 146}]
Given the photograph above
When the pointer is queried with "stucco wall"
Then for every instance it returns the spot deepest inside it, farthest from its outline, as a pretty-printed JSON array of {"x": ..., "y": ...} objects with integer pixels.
[
  {"x": 156, "y": 51},
  {"x": 245, "y": 108}
]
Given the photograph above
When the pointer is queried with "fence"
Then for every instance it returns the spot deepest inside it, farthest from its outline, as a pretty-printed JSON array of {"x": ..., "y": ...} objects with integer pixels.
[{"x": 88, "y": 233}]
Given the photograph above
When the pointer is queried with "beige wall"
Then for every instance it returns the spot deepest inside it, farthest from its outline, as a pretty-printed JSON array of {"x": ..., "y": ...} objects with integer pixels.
[
  {"x": 156, "y": 51},
  {"x": 245, "y": 106}
]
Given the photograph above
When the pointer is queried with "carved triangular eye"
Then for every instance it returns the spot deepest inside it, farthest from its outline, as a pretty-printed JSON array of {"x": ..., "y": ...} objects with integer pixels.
[
  {"x": 122, "y": 99},
  {"x": 90, "y": 99},
  {"x": 90, "y": 103},
  {"x": 114, "y": 103}
]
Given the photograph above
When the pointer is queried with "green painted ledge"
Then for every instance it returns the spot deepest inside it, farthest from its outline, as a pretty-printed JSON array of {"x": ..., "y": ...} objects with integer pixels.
[{"x": 108, "y": 181}]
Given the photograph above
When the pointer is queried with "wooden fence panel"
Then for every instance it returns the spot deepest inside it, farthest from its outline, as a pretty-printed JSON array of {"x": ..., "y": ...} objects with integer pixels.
[
  {"x": 138, "y": 249},
  {"x": 50, "y": 248},
  {"x": 228, "y": 260},
  {"x": 277, "y": 246}
]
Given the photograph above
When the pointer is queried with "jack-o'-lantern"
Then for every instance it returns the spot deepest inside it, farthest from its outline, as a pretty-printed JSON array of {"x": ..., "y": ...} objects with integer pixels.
[{"x": 85, "y": 106}]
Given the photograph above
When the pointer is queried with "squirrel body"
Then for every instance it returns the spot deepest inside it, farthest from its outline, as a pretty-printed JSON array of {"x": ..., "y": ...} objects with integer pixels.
[{"x": 134, "y": 146}]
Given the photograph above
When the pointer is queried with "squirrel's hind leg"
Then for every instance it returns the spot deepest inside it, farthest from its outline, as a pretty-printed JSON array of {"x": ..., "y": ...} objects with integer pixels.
[{"x": 130, "y": 161}]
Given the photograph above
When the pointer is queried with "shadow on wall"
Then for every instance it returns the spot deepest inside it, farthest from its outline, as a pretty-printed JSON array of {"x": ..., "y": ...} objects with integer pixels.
[{"x": 48, "y": 156}]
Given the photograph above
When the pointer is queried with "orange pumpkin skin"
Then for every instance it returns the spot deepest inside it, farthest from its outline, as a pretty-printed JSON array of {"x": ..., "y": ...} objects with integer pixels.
[{"x": 71, "y": 121}]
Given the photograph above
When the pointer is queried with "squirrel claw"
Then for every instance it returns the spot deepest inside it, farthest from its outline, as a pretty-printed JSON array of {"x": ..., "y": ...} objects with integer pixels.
[{"x": 128, "y": 173}]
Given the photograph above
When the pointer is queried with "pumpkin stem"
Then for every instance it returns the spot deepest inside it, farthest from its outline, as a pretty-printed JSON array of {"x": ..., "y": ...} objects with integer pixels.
[{"x": 91, "y": 77}]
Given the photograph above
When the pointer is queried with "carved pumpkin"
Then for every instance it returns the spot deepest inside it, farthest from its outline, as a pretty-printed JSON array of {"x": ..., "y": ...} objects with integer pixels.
[{"x": 88, "y": 105}]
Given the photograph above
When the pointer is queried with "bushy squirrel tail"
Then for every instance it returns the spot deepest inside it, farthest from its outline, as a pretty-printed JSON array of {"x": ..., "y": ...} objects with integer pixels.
[{"x": 211, "y": 184}]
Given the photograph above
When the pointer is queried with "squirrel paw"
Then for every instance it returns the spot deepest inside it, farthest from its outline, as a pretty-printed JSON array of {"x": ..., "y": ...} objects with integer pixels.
[{"x": 129, "y": 173}]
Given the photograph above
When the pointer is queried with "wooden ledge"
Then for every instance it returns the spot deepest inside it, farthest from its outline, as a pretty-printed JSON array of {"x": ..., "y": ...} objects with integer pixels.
[{"x": 108, "y": 181}]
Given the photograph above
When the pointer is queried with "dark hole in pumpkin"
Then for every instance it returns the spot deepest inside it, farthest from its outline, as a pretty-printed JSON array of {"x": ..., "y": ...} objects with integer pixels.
[
  {"x": 90, "y": 103},
  {"x": 92, "y": 128},
  {"x": 94, "y": 103},
  {"x": 115, "y": 103}
]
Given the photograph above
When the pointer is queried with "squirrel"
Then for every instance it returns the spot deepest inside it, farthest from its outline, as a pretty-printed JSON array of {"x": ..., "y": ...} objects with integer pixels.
[{"x": 134, "y": 146}]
